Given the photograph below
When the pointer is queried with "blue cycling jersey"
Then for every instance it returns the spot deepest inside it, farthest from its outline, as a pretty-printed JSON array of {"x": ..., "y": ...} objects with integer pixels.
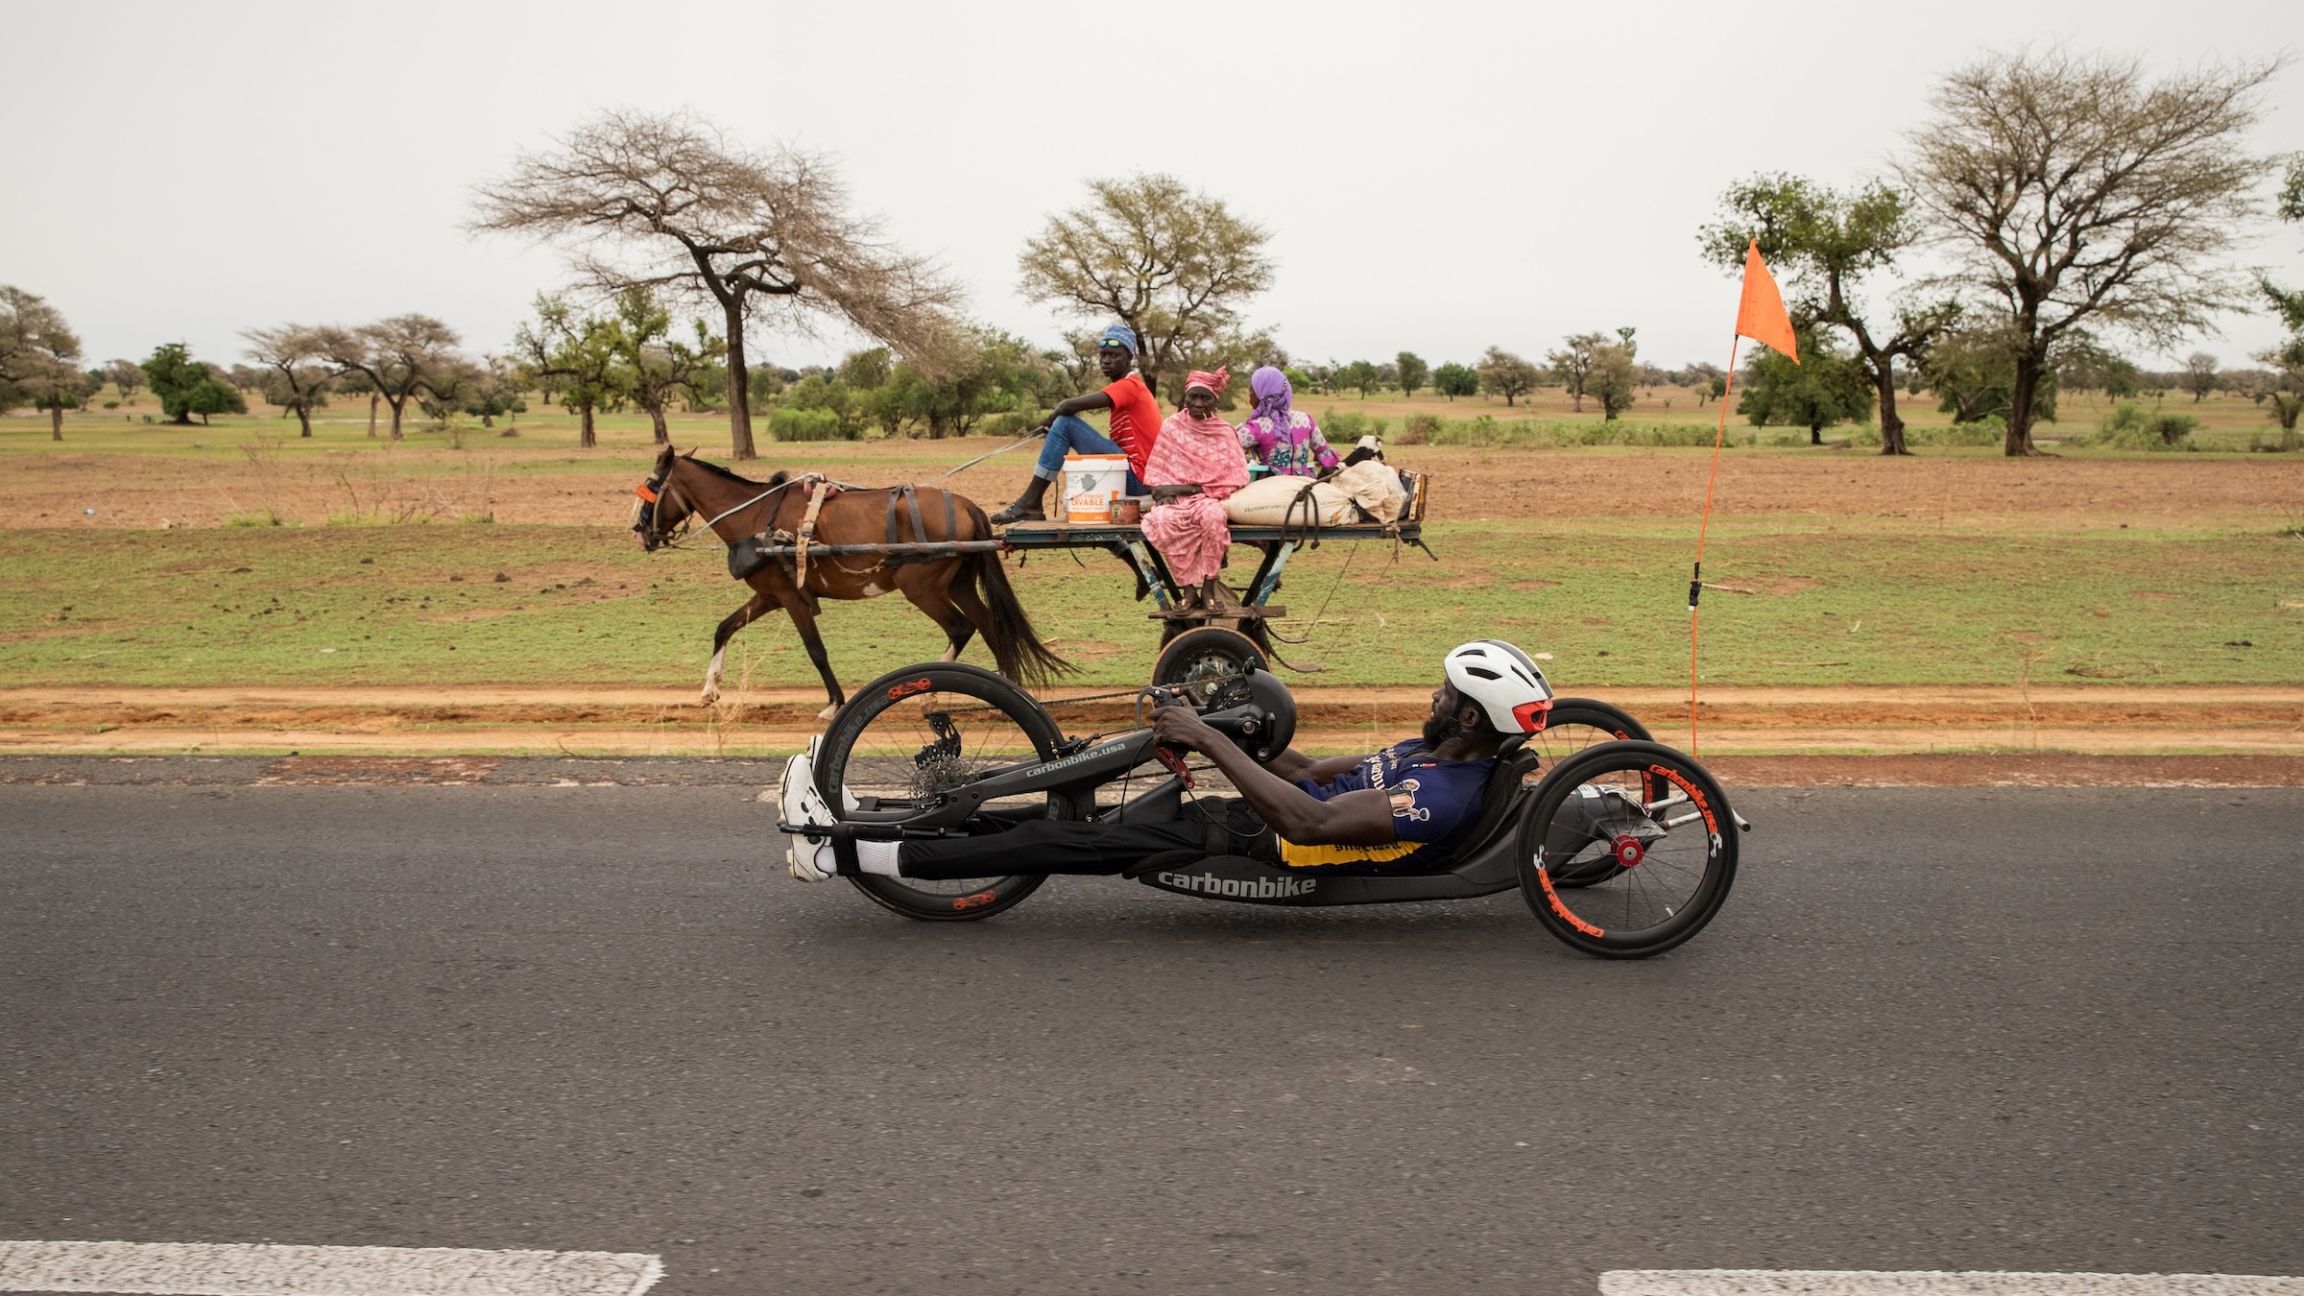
[{"x": 1433, "y": 802}]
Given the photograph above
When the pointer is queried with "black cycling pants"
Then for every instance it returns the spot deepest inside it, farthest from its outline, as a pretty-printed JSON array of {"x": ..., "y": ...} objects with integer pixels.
[{"x": 1204, "y": 826}]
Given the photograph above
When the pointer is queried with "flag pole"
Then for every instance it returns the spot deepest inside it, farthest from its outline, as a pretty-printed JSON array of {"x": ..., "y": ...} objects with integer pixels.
[{"x": 1704, "y": 525}]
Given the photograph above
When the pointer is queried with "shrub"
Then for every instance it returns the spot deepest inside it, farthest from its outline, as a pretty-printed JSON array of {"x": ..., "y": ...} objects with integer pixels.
[
  {"x": 1419, "y": 429},
  {"x": 1989, "y": 430},
  {"x": 1345, "y": 428},
  {"x": 790, "y": 424},
  {"x": 1006, "y": 423},
  {"x": 2130, "y": 427}
]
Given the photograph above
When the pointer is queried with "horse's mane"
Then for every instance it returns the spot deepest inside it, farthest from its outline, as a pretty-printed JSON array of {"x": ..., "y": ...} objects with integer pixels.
[{"x": 740, "y": 479}]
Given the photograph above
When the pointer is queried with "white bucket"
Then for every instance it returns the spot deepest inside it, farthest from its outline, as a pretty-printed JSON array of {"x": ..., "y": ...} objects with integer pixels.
[{"x": 1091, "y": 483}]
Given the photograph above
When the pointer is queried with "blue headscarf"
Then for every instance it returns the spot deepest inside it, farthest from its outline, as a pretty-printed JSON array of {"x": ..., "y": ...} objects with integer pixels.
[{"x": 1121, "y": 334}]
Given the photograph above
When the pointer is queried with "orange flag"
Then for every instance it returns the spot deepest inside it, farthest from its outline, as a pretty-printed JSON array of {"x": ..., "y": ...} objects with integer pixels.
[{"x": 1760, "y": 316}]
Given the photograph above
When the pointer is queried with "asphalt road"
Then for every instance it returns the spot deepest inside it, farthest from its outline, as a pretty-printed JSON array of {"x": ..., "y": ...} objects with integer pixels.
[{"x": 1932, "y": 1029}]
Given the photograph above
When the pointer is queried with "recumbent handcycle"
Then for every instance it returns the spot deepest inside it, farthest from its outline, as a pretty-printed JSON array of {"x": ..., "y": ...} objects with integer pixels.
[{"x": 1622, "y": 847}]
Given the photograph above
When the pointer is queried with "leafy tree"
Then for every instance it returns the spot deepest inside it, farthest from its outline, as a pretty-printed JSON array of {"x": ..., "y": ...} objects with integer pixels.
[
  {"x": 1413, "y": 372},
  {"x": 657, "y": 363},
  {"x": 1453, "y": 380},
  {"x": 1700, "y": 378},
  {"x": 498, "y": 389},
  {"x": 1824, "y": 245},
  {"x": 187, "y": 387},
  {"x": 1613, "y": 379},
  {"x": 295, "y": 377},
  {"x": 391, "y": 360},
  {"x": 583, "y": 357},
  {"x": 39, "y": 359},
  {"x": 1572, "y": 365},
  {"x": 126, "y": 375},
  {"x": 2075, "y": 191},
  {"x": 2088, "y": 367},
  {"x": 1824, "y": 388},
  {"x": 1360, "y": 375},
  {"x": 2199, "y": 375},
  {"x": 2289, "y": 305},
  {"x": 2282, "y": 390},
  {"x": 1506, "y": 374},
  {"x": 1175, "y": 265},
  {"x": 1973, "y": 373},
  {"x": 868, "y": 368},
  {"x": 998, "y": 372},
  {"x": 668, "y": 202}
]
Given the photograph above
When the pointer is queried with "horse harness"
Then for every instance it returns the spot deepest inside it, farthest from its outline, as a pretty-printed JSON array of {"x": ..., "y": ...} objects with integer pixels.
[{"x": 745, "y": 556}]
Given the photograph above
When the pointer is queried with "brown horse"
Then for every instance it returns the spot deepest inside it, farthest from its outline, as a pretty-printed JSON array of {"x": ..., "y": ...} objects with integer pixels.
[{"x": 945, "y": 587}]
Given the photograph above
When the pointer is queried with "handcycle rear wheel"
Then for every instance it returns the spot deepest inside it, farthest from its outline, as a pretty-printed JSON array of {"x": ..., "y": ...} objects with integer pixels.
[
  {"x": 1575, "y": 725},
  {"x": 1647, "y": 838},
  {"x": 924, "y": 729}
]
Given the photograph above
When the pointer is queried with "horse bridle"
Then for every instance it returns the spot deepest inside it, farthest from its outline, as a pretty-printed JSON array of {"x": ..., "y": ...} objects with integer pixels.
[{"x": 651, "y": 490}]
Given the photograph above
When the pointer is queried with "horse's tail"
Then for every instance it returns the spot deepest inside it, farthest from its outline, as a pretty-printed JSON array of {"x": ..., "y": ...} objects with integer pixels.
[{"x": 1016, "y": 648}]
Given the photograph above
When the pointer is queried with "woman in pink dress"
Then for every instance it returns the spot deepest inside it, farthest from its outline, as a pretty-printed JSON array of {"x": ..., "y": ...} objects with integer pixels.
[{"x": 1195, "y": 464}]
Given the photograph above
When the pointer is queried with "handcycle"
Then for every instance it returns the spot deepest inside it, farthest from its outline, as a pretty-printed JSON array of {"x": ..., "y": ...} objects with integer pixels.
[{"x": 1622, "y": 846}]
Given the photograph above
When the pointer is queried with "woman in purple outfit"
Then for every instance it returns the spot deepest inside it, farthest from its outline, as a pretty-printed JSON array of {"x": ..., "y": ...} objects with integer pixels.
[{"x": 1283, "y": 439}]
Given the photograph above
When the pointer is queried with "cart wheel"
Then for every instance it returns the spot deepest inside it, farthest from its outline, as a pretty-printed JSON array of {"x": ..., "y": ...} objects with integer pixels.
[{"x": 1199, "y": 661}]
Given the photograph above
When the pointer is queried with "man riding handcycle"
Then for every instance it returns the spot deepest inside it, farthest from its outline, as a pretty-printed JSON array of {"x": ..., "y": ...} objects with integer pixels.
[{"x": 959, "y": 796}]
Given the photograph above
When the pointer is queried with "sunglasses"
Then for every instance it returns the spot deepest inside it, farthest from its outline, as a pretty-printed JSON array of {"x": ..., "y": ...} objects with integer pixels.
[{"x": 1110, "y": 345}]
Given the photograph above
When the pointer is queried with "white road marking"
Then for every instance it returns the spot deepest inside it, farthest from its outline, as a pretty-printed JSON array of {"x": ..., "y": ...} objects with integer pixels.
[
  {"x": 1853, "y": 1282},
  {"x": 236, "y": 1269}
]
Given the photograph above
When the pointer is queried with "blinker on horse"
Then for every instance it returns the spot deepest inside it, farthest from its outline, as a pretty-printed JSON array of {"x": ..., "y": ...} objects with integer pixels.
[{"x": 964, "y": 593}]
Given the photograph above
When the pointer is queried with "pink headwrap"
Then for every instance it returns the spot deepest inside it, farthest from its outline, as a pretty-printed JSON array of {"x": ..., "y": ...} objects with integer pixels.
[{"x": 1214, "y": 382}]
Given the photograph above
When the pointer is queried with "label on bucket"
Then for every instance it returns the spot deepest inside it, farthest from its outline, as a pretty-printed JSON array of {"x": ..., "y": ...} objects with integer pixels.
[{"x": 1091, "y": 482}]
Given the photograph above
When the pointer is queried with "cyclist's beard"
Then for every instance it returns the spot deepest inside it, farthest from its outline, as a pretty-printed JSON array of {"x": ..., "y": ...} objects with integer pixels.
[{"x": 1439, "y": 729}]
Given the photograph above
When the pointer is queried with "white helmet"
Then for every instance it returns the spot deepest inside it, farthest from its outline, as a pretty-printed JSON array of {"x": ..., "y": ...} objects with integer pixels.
[{"x": 1510, "y": 689}]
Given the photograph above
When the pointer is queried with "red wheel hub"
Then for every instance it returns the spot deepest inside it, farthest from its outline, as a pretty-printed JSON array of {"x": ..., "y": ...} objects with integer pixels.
[{"x": 1627, "y": 850}]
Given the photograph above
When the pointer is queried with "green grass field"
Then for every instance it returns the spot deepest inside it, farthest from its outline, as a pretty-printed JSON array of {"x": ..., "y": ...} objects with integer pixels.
[{"x": 414, "y": 605}]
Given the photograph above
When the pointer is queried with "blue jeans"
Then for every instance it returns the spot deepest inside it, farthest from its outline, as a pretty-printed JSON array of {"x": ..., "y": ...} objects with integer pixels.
[{"x": 1074, "y": 434}]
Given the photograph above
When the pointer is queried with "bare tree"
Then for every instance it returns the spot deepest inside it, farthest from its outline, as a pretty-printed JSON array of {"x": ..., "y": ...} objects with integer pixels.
[
  {"x": 39, "y": 358},
  {"x": 1172, "y": 263},
  {"x": 295, "y": 376},
  {"x": 670, "y": 202},
  {"x": 393, "y": 358},
  {"x": 2075, "y": 192}
]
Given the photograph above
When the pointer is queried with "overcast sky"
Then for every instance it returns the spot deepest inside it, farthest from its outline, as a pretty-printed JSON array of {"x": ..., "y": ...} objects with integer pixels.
[{"x": 1436, "y": 177}]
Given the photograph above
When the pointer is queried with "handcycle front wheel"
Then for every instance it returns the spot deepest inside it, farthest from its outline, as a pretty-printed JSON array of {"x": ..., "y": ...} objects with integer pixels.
[
  {"x": 1629, "y": 849},
  {"x": 916, "y": 732}
]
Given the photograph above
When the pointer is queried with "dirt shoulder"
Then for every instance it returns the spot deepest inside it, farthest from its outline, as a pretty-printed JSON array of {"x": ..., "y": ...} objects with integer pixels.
[{"x": 1784, "y": 736}]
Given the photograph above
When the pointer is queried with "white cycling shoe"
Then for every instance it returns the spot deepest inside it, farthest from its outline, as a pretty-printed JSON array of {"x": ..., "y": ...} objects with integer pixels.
[{"x": 798, "y": 802}]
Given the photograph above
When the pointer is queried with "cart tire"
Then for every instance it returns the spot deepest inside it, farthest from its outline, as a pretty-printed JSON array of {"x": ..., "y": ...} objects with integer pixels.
[
  {"x": 851, "y": 739},
  {"x": 1668, "y": 865},
  {"x": 1200, "y": 660}
]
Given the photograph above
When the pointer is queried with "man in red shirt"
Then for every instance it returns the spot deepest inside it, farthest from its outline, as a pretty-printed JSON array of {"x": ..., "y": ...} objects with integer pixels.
[{"x": 1135, "y": 426}]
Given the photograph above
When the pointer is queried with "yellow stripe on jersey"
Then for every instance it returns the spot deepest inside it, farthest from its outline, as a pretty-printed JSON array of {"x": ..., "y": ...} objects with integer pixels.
[{"x": 1295, "y": 856}]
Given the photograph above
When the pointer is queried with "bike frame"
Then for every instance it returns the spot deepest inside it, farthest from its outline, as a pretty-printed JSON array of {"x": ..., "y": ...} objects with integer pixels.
[{"x": 1485, "y": 867}]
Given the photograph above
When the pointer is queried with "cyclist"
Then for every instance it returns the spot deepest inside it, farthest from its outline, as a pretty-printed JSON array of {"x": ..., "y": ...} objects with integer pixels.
[{"x": 1392, "y": 811}]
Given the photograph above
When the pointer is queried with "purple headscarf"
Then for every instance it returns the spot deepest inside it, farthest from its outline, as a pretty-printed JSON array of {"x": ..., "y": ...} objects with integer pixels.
[{"x": 1272, "y": 391}]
